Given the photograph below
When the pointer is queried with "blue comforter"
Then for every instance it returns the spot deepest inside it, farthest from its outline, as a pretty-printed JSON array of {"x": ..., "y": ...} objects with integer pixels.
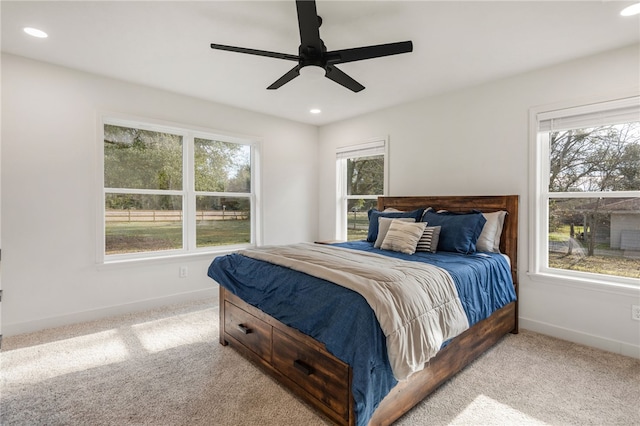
[{"x": 341, "y": 318}]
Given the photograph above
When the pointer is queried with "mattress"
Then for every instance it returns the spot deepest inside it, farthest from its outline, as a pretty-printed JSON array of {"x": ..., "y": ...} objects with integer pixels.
[{"x": 342, "y": 320}]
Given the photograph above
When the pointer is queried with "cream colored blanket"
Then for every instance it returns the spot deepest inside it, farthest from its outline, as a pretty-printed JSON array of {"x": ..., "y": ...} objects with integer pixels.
[{"x": 417, "y": 304}]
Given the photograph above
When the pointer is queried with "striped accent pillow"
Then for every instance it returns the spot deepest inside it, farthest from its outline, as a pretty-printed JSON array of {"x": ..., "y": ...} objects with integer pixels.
[
  {"x": 383, "y": 227},
  {"x": 429, "y": 239},
  {"x": 403, "y": 236}
]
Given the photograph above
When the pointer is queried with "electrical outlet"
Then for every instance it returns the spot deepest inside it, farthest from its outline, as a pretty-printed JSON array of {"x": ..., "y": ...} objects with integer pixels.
[
  {"x": 635, "y": 312},
  {"x": 183, "y": 272}
]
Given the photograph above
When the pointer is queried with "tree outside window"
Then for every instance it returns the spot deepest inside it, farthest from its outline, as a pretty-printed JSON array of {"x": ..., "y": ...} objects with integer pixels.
[
  {"x": 593, "y": 199},
  {"x": 362, "y": 178},
  {"x": 365, "y": 177},
  {"x": 156, "y": 202}
]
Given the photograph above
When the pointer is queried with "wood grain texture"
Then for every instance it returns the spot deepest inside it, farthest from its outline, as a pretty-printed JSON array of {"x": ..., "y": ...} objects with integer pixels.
[
  {"x": 320, "y": 375},
  {"x": 288, "y": 345},
  {"x": 328, "y": 398},
  {"x": 459, "y": 353},
  {"x": 252, "y": 332}
]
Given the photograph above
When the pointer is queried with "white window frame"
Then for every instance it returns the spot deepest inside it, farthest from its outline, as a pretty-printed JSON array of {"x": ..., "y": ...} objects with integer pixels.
[
  {"x": 558, "y": 117},
  {"x": 188, "y": 192},
  {"x": 370, "y": 148}
]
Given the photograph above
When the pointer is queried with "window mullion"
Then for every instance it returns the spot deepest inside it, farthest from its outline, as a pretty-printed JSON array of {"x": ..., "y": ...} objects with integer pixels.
[
  {"x": 189, "y": 217},
  {"x": 223, "y": 194},
  {"x": 341, "y": 199},
  {"x": 604, "y": 194},
  {"x": 543, "y": 233},
  {"x": 142, "y": 191}
]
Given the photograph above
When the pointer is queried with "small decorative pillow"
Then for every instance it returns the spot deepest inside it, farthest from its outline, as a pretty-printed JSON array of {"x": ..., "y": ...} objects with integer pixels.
[
  {"x": 429, "y": 239},
  {"x": 403, "y": 236},
  {"x": 383, "y": 227},
  {"x": 374, "y": 214},
  {"x": 489, "y": 239}
]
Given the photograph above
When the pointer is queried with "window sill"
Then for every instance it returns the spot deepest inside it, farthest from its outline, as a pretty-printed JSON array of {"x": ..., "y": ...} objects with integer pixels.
[
  {"x": 164, "y": 259},
  {"x": 626, "y": 286}
]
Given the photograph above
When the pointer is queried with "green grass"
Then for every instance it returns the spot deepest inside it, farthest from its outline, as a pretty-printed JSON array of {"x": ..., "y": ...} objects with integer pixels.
[
  {"x": 358, "y": 234},
  {"x": 358, "y": 227},
  {"x": 134, "y": 237},
  {"x": 612, "y": 264},
  {"x": 223, "y": 232},
  {"x": 617, "y": 266},
  {"x": 561, "y": 233}
]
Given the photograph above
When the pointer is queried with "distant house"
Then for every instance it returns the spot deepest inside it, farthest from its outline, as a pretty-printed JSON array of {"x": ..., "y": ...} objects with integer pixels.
[
  {"x": 625, "y": 224},
  {"x": 623, "y": 217}
]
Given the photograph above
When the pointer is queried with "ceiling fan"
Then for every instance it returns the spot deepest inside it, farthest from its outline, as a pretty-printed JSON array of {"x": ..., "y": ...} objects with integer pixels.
[{"x": 313, "y": 53}]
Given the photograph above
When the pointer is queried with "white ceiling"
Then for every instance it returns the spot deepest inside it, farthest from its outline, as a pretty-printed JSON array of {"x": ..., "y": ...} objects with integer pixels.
[{"x": 456, "y": 44}]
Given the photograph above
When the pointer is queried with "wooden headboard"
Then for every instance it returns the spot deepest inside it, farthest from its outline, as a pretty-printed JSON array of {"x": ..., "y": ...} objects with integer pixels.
[{"x": 484, "y": 203}]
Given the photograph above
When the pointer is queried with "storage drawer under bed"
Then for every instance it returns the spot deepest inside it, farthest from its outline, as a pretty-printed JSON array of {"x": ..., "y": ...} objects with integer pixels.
[
  {"x": 299, "y": 362},
  {"x": 250, "y": 331},
  {"x": 321, "y": 375}
]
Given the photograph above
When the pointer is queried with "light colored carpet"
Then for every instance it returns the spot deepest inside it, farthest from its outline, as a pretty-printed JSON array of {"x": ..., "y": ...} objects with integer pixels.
[{"x": 166, "y": 367}]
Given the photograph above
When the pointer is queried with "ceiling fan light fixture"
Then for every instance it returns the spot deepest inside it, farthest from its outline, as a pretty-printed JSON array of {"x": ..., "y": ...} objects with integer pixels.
[
  {"x": 312, "y": 72},
  {"x": 632, "y": 10}
]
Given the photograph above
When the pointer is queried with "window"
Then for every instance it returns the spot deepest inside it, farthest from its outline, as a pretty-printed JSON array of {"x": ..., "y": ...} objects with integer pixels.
[
  {"x": 170, "y": 190},
  {"x": 586, "y": 181},
  {"x": 362, "y": 172}
]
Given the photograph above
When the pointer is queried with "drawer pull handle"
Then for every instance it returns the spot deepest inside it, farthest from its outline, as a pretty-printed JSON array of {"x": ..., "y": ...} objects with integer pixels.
[
  {"x": 244, "y": 329},
  {"x": 303, "y": 367}
]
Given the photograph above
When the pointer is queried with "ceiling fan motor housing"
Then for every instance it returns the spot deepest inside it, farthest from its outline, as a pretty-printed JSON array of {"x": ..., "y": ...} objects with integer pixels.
[{"x": 310, "y": 56}]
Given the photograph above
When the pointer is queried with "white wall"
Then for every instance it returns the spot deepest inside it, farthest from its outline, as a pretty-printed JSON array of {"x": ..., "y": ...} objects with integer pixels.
[
  {"x": 475, "y": 142},
  {"x": 49, "y": 193}
]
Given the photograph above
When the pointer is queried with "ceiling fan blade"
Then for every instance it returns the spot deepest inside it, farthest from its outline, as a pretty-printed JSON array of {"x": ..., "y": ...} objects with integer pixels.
[
  {"x": 309, "y": 25},
  {"x": 343, "y": 79},
  {"x": 368, "y": 52},
  {"x": 255, "y": 52},
  {"x": 290, "y": 75}
]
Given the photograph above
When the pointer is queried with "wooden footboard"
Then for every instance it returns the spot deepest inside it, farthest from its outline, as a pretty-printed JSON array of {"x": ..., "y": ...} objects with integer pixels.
[
  {"x": 454, "y": 357},
  {"x": 303, "y": 365}
]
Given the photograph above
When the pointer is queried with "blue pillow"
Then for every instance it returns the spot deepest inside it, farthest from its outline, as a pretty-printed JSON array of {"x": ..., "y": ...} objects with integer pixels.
[
  {"x": 459, "y": 232},
  {"x": 375, "y": 214}
]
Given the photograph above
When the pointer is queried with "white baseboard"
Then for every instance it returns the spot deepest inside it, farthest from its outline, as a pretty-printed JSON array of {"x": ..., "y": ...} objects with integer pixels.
[
  {"x": 12, "y": 329},
  {"x": 586, "y": 339}
]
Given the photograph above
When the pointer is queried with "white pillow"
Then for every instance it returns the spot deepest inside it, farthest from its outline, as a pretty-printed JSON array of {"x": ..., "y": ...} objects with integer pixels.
[
  {"x": 489, "y": 239},
  {"x": 383, "y": 227},
  {"x": 403, "y": 236}
]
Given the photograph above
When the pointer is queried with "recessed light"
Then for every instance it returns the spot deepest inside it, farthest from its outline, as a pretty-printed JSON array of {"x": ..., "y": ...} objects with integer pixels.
[
  {"x": 634, "y": 9},
  {"x": 315, "y": 111},
  {"x": 35, "y": 32}
]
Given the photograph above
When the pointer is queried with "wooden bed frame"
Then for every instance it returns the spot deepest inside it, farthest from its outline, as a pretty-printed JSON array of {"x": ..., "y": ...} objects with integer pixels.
[{"x": 304, "y": 365}]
